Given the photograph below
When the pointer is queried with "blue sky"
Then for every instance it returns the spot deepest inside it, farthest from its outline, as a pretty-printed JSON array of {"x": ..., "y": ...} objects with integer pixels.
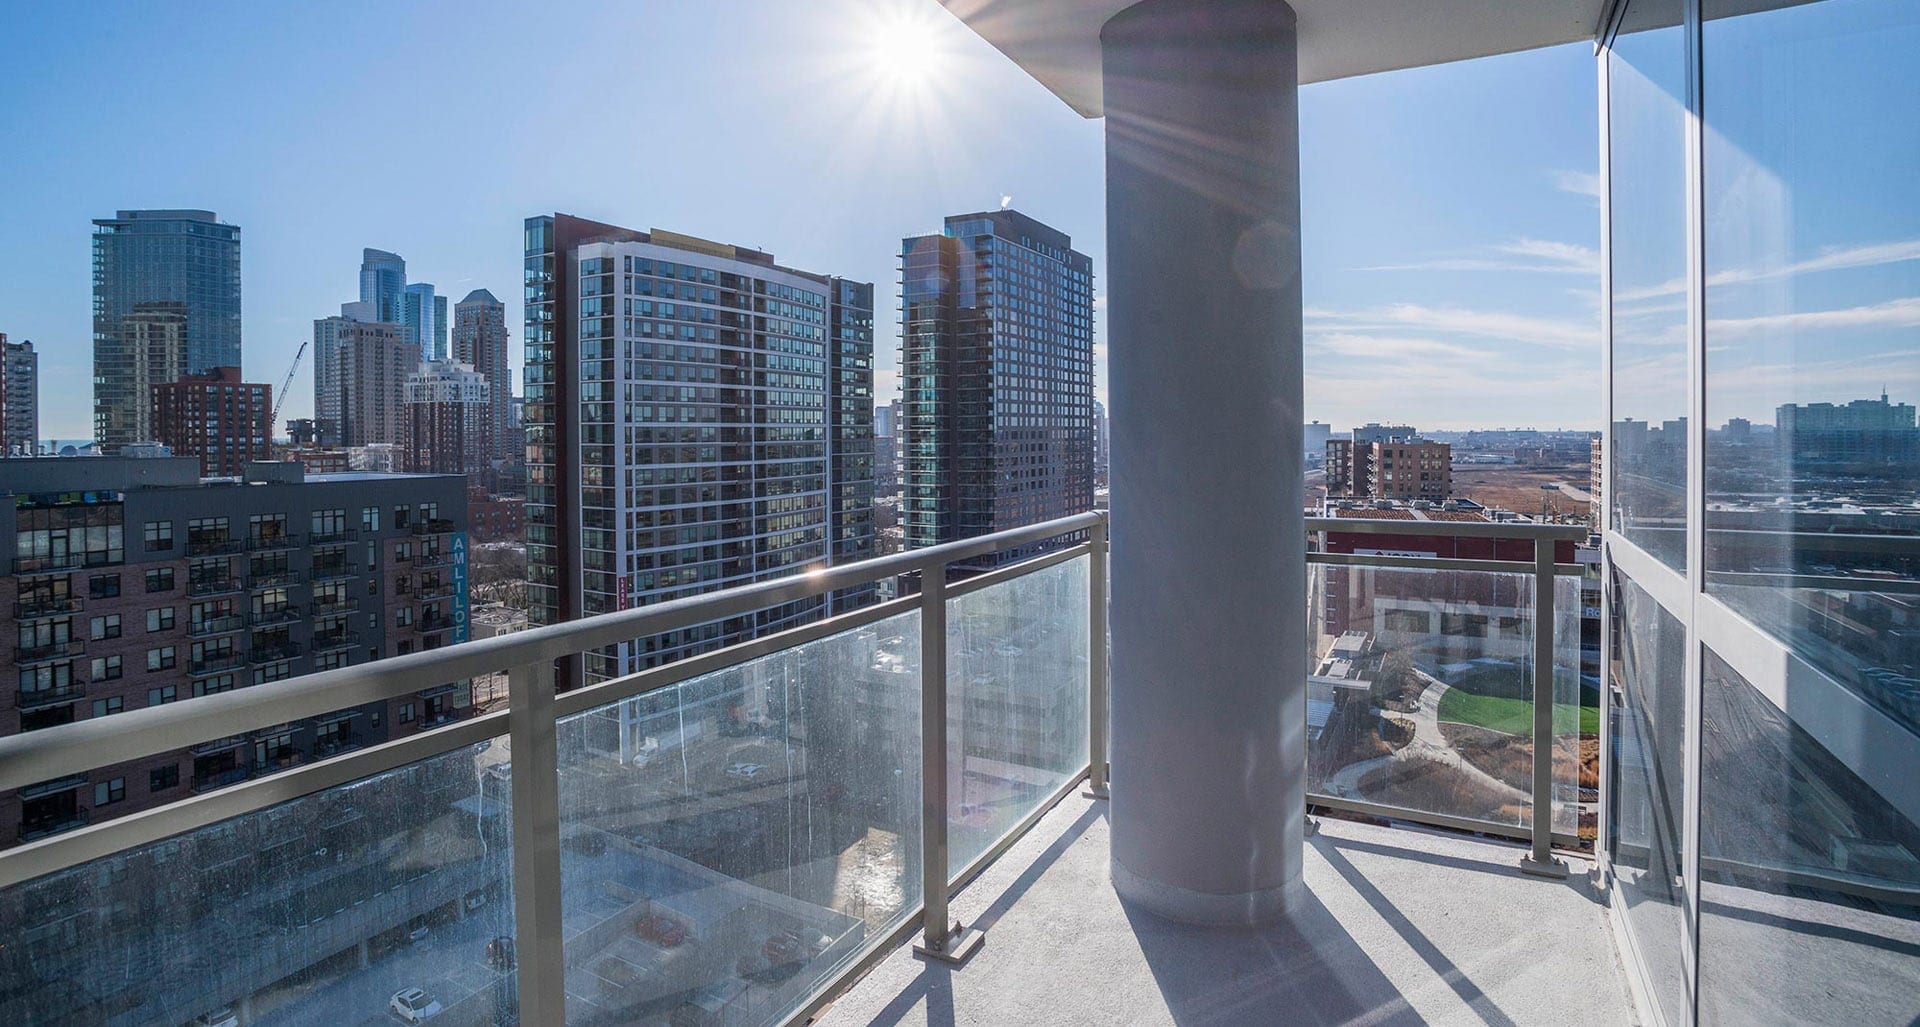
[{"x": 1450, "y": 224}]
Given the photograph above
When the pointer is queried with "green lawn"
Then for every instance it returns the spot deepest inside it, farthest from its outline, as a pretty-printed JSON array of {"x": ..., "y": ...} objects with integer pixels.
[{"x": 1512, "y": 716}]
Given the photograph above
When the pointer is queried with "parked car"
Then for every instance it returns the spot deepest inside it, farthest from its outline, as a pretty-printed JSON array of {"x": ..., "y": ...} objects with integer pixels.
[
  {"x": 746, "y": 770},
  {"x": 418, "y": 934},
  {"x": 414, "y": 1005},
  {"x": 221, "y": 1017},
  {"x": 500, "y": 953}
]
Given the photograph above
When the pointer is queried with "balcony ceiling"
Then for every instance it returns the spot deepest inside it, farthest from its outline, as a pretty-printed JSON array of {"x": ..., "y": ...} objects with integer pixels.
[{"x": 1058, "y": 41}]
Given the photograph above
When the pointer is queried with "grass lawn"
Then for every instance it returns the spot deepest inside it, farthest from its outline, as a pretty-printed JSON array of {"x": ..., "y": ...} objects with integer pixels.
[{"x": 1512, "y": 716}]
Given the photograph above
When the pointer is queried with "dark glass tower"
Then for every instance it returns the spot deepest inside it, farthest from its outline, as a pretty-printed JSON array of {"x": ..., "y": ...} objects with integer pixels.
[
  {"x": 997, "y": 375},
  {"x": 187, "y": 257}
]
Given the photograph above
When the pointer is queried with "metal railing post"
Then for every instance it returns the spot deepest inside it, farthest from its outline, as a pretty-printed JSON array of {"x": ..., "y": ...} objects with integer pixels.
[
  {"x": 538, "y": 944},
  {"x": 940, "y": 938},
  {"x": 1540, "y": 861},
  {"x": 1097, "y": 660}
]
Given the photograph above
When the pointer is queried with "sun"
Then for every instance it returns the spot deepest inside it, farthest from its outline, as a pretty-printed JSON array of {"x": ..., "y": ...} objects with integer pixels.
[{"x": 903, "y": 49}]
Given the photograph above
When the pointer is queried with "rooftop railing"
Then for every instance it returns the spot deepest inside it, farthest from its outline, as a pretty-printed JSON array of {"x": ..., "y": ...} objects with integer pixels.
[{"x": 794, "y": 805}]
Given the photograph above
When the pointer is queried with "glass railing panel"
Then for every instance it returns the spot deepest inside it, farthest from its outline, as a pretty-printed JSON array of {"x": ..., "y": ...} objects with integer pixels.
[
  {"x": 1017, "y": 702},
  {"x": 1420, "y": 694},
  {"x": 317, "y": 911},
  {"x": 730, "y": 842}
]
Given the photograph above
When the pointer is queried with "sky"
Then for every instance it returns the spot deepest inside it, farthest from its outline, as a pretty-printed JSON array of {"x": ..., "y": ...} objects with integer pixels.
[{"x": 1450, "y": 217}]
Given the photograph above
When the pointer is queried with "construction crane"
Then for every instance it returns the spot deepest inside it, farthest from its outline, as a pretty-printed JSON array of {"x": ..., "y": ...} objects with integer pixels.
[{"x": 274, "y": 418}]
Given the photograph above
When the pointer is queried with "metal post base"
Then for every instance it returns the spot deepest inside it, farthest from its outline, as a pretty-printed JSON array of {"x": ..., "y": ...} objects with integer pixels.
[
  {"x": 1090, "y": 792},
  {"x": 1312, "y": 827},
  {"x": 1554, "y": 868},
  {"x": 956, "y": 948}
]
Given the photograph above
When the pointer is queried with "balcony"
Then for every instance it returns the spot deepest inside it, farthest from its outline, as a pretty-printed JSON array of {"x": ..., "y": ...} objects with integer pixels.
[
  {"x": 439, "y": 559},
  {"x": 278, "y": 615},
  {"x": 212, "y": 586},
  {"x": 431, "y": 625},
  {"x": 33, "y": 607},
  {"x": 221, "y": 625},
  {"x": 44, "y": 827},
  {"x": 433, "y": 526},
  {"x": 44, "y": 652},
  {"x": 279, "y": 577},
  {"x": 217, "y": 663},
  {"x": 62, "y": 562},
  {"x": 330, "y": 608},
  {"x": 269, "y": 543},
  {"x": 273, "y": 652},
  {"x": 332, "y": 640},
  {"x": 212, "y": 545},
  {"x": 659, "y": 773},
  {"x": 33, "y": 699},
  {"x": 333, "y": 571},
  {"x": 333, "y": 538}
]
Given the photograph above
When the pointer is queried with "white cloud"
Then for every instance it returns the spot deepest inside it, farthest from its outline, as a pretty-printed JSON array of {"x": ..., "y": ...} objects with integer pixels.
[
  {"x": 1521, "y": 255},
  {"x": 1831, "y": 258},
  {"x": 1496, "y": 325},
  {"x": 1580, "y": 183},
  {"x": 1900, "y": 313}
]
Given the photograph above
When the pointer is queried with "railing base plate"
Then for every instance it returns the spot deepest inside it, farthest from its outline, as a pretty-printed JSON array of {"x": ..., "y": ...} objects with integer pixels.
[
  {"x": 960, "y": 946},
  {"x": 1554, "y": 868}
]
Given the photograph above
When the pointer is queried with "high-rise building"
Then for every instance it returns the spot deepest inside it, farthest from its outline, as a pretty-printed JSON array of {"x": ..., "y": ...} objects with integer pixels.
[
  {"x": 480, "y": 341},
  {"x": 217, "y": 418},
  {"x": 383, "y": 283},
  {"x": 449, "y": 426},
  {"x": 425, "y": 316},
  {"x": 1318, "y": 434},
  {"x": 1862, "y": 432},
  {"x": 19, "y": 397},
  {"x": 850, "y": 448},
  {"x": 360, "y": 372},
  {"x": 681, "y": 425},
  {"x": 139, "y": 584},
  {"x": 143, "y": 258},
  {"x": 1102, "y": 450},
  {"x": 997, "y": 377},
  {"x": 149, "y": 349},
  {"x": 1377, "y": 462}
]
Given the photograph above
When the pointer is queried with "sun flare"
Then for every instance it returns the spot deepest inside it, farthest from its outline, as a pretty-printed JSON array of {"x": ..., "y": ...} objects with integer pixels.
[{"x": 903, "y": 50}]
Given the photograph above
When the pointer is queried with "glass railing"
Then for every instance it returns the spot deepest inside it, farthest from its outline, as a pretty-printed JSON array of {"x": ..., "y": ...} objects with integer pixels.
[
  {"x": 722, "y": 839},
  {"x": 1437, "y": 650}
]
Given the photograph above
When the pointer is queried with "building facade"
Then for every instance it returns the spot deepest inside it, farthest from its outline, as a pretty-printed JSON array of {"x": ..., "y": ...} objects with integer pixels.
[
  {"x": 217, "y": 418},
  {"x": 997, "y": 378},
  {"x": 360, "y": 373},
  {"x": 19, "y": 397},
  {"x": 1388, "y": 463},
  {"x": 150, "y": 349},
  {"x": 426, "y": 320},
  {"x": 189, "y": 257},
  {"x": 480, "y": 340},
  {"x": 681, "y": 426},
  {"x": 136, "y": 583},
  {"x": 383, "y": 286},
  {"x": 449, "y": 430}
]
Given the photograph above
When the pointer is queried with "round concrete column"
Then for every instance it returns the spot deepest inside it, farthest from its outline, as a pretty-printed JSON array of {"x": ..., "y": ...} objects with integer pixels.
[{"x": 1209, "y": 572}]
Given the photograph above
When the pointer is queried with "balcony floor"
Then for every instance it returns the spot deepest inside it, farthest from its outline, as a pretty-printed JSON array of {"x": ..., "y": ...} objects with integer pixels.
[{"x": 1403, "y": 926}]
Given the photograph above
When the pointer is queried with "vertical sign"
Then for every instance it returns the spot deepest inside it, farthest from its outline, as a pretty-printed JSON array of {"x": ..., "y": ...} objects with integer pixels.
[
  {"x": 459, "y": 587},
  {"x": 625, "y": 585}
]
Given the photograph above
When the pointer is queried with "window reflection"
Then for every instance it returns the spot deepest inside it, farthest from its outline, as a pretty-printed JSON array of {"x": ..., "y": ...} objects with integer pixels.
[
  {"x": 1812, "y": 302},
  {"x": 1809, "y": 878},
  {"x": 1646, "y": 71}
]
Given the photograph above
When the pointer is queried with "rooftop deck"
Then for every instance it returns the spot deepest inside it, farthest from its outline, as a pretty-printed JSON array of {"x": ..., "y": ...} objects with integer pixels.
[{"x": 1404, "y": 925}]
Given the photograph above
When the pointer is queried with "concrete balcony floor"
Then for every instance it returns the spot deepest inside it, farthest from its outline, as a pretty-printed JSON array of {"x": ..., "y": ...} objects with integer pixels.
[{"x": 1404, "y": 926}]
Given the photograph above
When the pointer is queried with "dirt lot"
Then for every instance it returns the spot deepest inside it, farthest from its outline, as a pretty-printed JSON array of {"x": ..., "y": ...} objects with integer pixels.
[{"x": 1519, "y": 488}]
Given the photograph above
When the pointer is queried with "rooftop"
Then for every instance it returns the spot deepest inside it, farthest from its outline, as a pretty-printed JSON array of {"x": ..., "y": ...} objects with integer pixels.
[{"x": 1402, "y": 925}]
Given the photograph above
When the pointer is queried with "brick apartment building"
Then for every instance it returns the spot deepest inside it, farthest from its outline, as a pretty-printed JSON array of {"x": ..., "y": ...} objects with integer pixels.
[
  {"x": 1389, "y": 466},
  {"x": 215, "y": 417},
  {"x": 136, "y": 583}
]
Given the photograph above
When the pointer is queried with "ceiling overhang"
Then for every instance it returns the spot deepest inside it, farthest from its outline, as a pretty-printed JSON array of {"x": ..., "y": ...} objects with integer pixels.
[{"x": 1058, "y": 41}]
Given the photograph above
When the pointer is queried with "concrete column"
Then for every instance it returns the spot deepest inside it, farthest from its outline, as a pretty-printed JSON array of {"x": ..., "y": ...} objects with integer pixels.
[{"x": 1209, "y": 568}]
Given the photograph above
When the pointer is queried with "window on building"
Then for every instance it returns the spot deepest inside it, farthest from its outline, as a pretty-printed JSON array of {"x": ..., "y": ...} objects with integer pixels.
[
  {"x": 406, "y": 713},
  {"x": 370, "y": 518},
  {"x": 107, "y": 793},
  {"x": 110, "y": 705},
  {"x": 160, "y": 579},
  {"x": 103, "y": 586},
  {"x": 273, "y": 750},
  {"x": 159, "y": 536},
  {"x": 162, "y": 695},
  {"x": 160, "y": 779},
  {"x": 106, "y": 668},
  {"x": 104, "y": 626},
  {"x": 329, "y": 522},
  {"x": 160, "y": 619},
  {"x": 163, "y": 658}
]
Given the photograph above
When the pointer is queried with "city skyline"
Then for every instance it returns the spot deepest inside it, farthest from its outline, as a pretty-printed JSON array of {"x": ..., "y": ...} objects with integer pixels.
[{"x": 1423, "y": 246}]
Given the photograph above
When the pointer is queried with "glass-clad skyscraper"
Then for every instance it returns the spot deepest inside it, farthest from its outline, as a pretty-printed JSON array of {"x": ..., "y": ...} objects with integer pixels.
[
  {"x": 383, "y": 283},
  {"x": 996, "y": 362},
  {"x": 185, "y": 257},
  {"x": 1763, "y": 521},
  {"x": 684, "y": 431}
]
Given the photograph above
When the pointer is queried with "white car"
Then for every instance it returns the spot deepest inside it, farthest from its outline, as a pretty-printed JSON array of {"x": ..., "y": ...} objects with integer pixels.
[
  {"x": 746, "y": 770},
  {"x": 221, "y": 1017},
  {"x": 414, "y": 1006}
]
